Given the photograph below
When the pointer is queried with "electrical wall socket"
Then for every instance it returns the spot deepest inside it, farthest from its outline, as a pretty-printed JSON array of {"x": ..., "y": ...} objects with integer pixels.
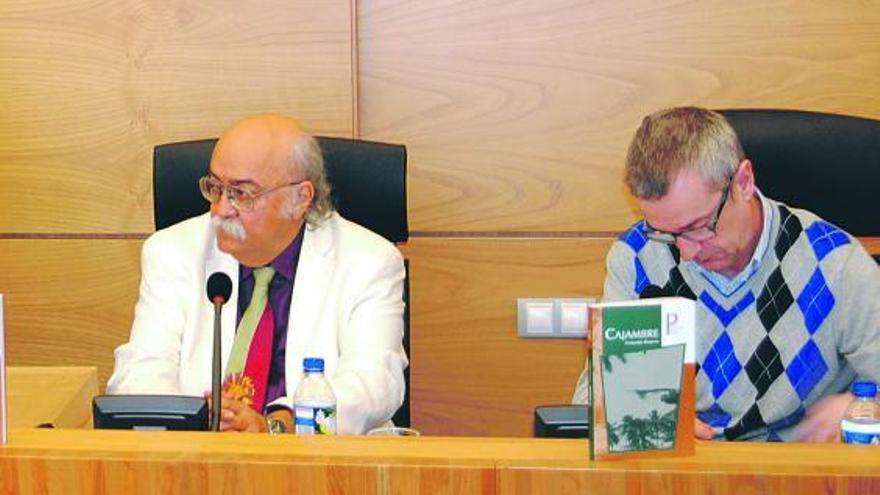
[{"x": 552, "y": 318}]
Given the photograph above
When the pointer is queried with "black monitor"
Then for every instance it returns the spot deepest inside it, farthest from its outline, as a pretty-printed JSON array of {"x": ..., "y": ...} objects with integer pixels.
[
  {"x": 568, "y": 421},
  {"x": 150, "y": 412}
]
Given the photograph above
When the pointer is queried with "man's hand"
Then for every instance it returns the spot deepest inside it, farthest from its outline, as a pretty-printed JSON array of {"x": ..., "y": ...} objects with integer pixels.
[
  {"x": 703, "y": 431},
  {"x": 821, "y": 422},
  {"x": 238, "y": 416}
]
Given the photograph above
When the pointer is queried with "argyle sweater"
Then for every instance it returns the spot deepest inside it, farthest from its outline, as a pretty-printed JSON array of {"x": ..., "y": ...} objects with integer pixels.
[{"x": 803, "y": 325}]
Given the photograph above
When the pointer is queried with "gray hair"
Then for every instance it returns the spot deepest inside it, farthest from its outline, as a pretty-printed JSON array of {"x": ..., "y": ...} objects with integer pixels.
[
  {"x": 307, "y": 157},
  {"x": 675, "y": 139}
]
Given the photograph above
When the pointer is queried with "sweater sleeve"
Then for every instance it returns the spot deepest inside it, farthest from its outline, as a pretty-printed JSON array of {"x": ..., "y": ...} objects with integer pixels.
[
  {"x": 620, "y": 274},
  {"x": 856, "y": 286}
]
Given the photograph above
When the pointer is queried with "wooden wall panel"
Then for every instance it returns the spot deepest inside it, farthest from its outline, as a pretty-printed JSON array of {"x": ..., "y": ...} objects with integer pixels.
[
  {"x": 71, "y": 301},
  {"x": 89, "y": 87},
  {"x": 872, "y": 244},
  {"x": 68, "y": 302},
  {"x": 471, "y": 374},
  {"x": 517, "y": 114}
]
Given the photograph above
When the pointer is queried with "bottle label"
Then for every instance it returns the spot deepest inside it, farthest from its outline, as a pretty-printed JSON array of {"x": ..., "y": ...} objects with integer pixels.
[
  {"x": 315, "y": 419},
  {"x": 860, "y": 433}
]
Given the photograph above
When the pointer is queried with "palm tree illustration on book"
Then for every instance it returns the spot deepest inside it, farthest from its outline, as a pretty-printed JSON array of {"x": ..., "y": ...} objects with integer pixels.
[{"x": 642, "y": 391}]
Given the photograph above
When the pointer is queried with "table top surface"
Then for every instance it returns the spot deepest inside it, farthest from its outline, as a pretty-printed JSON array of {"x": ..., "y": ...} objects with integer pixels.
[
  {"x": 68, "y": 388},
  {"x": 743, "y": 457}
]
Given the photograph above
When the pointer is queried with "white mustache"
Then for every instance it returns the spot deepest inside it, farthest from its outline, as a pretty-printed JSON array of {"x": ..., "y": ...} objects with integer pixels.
[{"x": 230, "y": 226}]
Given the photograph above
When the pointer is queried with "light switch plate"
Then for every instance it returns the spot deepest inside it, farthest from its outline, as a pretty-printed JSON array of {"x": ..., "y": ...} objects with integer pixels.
[
  {"x": 535, "y": 317},
  {"x": 573, "y": 317},
  {"x": 552, "y": 318}
]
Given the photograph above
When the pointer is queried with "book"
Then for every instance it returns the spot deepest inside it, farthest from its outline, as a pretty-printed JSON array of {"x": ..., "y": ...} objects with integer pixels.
[
  {"x": 642, "y": 378},
  {"x": 3, "y": 409}
]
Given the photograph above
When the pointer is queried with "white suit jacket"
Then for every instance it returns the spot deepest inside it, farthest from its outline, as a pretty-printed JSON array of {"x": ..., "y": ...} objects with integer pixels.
[{"x": 346, "y": 307}]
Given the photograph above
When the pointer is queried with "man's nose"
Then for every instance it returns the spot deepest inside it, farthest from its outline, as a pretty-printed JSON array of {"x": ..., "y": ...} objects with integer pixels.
[
  {"x": 687, "y": 248},
  {"x": 223, "y": 207}
]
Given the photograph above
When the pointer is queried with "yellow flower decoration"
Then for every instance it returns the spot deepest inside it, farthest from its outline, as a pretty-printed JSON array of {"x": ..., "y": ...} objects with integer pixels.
[{"x": 240, "y": 387}]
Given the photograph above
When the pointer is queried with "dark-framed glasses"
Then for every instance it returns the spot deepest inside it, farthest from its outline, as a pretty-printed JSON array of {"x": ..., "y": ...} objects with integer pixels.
[
  {"x": 698, "y": 234},
  {"x": 213, "y": 188}
]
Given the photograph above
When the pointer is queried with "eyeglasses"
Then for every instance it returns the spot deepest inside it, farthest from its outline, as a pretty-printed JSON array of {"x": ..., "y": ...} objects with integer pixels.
[
  {"x": 699, "y": 234},
  {"x": 212, "y": 189}
]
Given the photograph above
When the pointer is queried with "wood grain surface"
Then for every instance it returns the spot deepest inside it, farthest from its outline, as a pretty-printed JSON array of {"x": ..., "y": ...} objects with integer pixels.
[
  {"x": 517, "y": 115},
  {"x": 68, "y": 302},
  {"x": 51, "y": 396},
  {"x": 465, "y": 353},
  {"x": 717, "y": 468},
  {"x": 79, "y": 461},
  {"x": 872, "y": 244},
  {"x": 471, "y": 374},
  {"x": 89, "y": 87}
]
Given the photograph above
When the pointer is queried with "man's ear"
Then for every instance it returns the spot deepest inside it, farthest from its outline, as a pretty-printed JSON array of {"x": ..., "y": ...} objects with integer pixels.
[
  {"x": 305, "y": 196},
  {"x": 744, "y": 179},
  {"x": 307, "y": 192}
]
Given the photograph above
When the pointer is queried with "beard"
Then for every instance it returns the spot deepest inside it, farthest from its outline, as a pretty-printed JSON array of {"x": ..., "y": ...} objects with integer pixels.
[{"x": 231, "y": 227}]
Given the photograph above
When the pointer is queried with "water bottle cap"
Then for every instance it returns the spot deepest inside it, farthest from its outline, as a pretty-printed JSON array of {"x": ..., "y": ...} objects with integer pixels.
[
  {"x": 864, "y": 389},
  {"x": 311, "y": 364}
]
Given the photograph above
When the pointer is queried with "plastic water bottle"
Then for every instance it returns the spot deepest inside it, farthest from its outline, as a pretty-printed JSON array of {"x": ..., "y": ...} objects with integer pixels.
[
  {"x": 861, "y": 422},
  {"x": 314, "y": 402}
]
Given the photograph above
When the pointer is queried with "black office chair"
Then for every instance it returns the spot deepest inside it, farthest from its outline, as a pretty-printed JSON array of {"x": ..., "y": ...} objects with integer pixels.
[
  {"x": 368, "y": 181},
  {"x": 826, "y": 163}
]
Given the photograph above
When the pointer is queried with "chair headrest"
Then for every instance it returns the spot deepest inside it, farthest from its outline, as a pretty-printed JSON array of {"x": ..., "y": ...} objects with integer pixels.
[
  {"x": 826, "y": 163},
  {"x": 368, "y": 181}
]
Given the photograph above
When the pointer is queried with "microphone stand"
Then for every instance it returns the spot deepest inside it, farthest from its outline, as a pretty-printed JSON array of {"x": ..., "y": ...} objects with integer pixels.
[
  {"x": 215, "y": 368},
  {"x": 219, "y": 288}
]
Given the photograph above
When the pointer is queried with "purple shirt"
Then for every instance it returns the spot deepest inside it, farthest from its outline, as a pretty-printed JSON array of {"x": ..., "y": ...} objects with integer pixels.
[{"x": 280, "y": 291}]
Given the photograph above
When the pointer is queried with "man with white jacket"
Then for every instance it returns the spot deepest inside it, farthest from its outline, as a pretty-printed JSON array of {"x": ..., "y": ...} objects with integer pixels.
[{"x": 334, "y": 290}]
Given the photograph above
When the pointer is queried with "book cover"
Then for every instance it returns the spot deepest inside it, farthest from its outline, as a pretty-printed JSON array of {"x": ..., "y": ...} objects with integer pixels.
[
  {"x": 3, "y": 436},
  {"x": 642, "y": 386}
]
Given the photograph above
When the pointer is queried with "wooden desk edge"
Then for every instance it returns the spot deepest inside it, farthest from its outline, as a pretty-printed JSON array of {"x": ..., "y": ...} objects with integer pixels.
[
  {"x": 78, "y": 384},
  {"x": 508, "y": 453}
]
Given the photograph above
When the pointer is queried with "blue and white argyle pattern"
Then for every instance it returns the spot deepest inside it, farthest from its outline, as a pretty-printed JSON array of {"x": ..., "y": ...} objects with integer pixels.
[{"x": 761, "y": 346}]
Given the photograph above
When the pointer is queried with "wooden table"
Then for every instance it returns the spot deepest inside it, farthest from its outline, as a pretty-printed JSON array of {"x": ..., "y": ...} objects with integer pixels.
[
  {"x": 70, "y": 461},
  {"x": 82, "y": 461},
  {"x": 57, "y": 396}
]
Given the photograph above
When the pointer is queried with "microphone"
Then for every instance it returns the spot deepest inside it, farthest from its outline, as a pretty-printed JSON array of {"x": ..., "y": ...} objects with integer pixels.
[{"x": 219, "y": 288}]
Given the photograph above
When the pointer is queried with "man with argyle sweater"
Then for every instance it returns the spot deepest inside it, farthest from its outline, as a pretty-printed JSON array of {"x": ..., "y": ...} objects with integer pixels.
[{"x": 788, "y": 311}]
